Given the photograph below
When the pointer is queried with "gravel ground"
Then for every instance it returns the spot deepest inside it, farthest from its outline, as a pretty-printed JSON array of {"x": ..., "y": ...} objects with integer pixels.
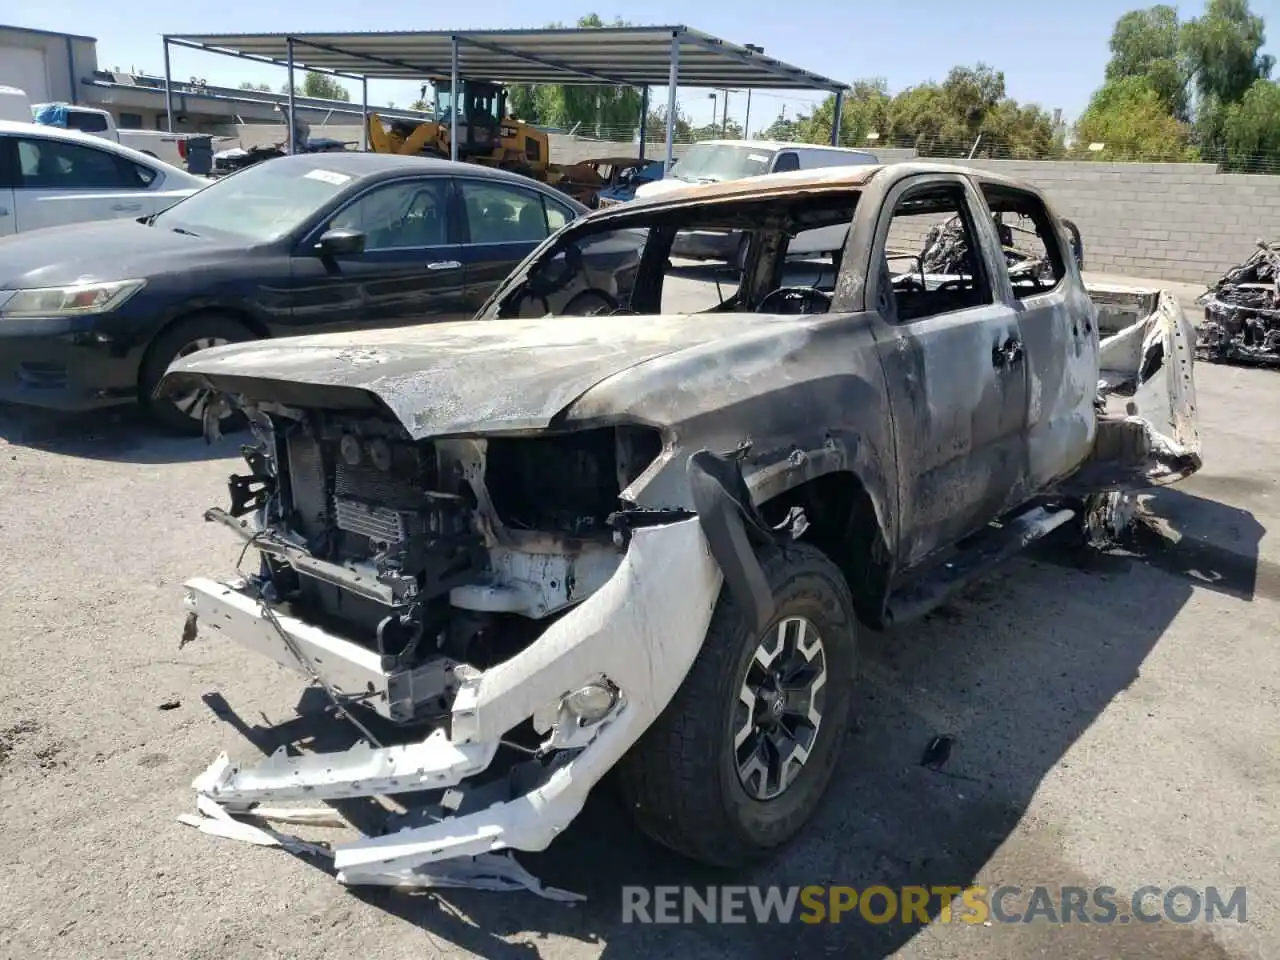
[{"x": 1112, "y": 722}]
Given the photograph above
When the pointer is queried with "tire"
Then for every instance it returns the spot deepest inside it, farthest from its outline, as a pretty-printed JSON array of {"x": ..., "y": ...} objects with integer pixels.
[
  {"x": 589, "y": 303},
  {"x": 681, "y": 780},
  {"x": 209, "y": 329}
]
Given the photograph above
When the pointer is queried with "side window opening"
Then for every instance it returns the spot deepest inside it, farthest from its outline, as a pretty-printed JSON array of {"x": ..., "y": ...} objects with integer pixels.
[
  {"x": 786, "y": 162},
  {"x": 56, "y": 165},
  {"x": 86, "y": 122},
  {"x": 501, "y": 213},
  {"x": 400, "y": 215},
  {"x": 557, "y": 216},
  {"x": 145, "y": 175},
  {"x": 649, "y": 264},
  {"x": 1032, "y": 253},
  {"x": 933, "y": 256}
]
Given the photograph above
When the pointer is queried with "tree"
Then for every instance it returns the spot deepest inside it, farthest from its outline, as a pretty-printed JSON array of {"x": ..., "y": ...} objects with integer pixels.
[
  {"x": 781, "y": 128},
  {"x": 257, "y": 87},
  {"x": 1221, "y": 49},
  {"x": 1221, "y": 52},
  {"x": 1146, "y": 43},
  {"x": 321, "y": 86},
  {"x": 716, "y": 130},
  {"x": 1131, "y": 120},
  {"x": 864, "y": 111},
  {"x": 1251, "y": 129},
  {"x": 607, "y": 110},
  {"x": 655, "y": 127}
]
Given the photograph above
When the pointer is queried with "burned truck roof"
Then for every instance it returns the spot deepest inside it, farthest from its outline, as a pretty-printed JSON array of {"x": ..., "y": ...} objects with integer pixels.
[{"x": 850, "y": 177}]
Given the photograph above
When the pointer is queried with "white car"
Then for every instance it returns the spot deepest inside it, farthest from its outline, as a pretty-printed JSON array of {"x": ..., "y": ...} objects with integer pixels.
[{"x": 50, "y": 177}]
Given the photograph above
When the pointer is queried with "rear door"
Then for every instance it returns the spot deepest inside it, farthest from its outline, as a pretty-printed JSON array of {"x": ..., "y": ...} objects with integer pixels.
[
  {"x": 60, "y": 182},
  {"x": 950, "y": 347},
  {"x": 503, "y": 224},
  {"x": 1055, "y": 317},
  {"x": 411, "y": 269}
]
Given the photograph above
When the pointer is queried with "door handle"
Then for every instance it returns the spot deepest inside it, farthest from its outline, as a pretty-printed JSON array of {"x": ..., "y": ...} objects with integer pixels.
[
  {"x": 1008, "y": 354},
  {"x": 444, "y": 265},
  {"x": 4, "y": 211},
  {"x": 125, "y": 207}
]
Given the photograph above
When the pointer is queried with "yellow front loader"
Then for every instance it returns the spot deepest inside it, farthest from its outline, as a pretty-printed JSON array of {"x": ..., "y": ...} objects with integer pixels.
[{"x": 485, "y": 135}]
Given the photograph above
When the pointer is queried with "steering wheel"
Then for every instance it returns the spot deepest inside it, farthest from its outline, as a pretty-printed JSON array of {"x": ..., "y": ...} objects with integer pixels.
[{"x": 803, "y": 298}]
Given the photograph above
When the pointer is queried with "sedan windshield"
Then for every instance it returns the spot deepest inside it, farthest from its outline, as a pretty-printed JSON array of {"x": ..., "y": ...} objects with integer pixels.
[
  {"x": 714, "y": 162},
  {"x": 258, "y": 204}
]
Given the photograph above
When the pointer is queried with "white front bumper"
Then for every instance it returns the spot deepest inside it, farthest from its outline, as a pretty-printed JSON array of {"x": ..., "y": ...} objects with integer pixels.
[{"x": 641, "y": 630}]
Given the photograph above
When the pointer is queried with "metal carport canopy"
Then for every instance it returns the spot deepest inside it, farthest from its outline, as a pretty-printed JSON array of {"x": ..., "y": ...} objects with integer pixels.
[
  {"x": 621, "y": 56},
  {"x": 624, "y": 56}
]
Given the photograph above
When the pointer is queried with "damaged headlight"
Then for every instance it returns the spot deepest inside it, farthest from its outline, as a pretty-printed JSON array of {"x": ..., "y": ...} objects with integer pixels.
[
  {"x": 74, "y": 300},
  {"x": 591, "y": 703}
]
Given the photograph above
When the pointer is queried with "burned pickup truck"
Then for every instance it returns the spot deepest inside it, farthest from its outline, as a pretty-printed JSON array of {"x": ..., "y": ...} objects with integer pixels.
[{"x": 641, "y": 543}]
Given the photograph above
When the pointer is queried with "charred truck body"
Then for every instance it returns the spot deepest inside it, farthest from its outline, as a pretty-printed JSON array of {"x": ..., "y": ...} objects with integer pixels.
[
  {"x": 643, "y": 542},
  {"x": 1242, "y": 312}
]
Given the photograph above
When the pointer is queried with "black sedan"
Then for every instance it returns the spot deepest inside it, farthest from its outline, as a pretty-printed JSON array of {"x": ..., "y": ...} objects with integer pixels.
[{"x": 92, "y": 314}]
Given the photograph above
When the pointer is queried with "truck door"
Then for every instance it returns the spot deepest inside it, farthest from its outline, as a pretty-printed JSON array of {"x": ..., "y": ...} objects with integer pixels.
[
  {"x": 951, "y": 348},
  {"x": 1056, "y": 320}
]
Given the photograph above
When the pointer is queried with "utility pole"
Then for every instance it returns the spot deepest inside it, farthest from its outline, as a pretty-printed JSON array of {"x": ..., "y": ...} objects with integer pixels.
[{"x": 746, "y": 123}]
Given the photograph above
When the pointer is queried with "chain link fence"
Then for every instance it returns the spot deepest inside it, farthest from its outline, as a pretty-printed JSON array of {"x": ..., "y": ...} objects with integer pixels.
[{"x": 984, "y": 147}]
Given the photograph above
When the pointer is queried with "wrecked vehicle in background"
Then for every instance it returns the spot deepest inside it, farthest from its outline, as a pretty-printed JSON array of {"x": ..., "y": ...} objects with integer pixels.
[
  {"x": 1024, "y": 253},
  {"x": 641, "y": 543},
  {"x": 1242, "y": 312}
]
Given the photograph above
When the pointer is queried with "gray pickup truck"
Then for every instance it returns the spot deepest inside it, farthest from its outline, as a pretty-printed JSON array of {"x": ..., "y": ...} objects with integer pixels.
[{"x": 643, "y": 542}]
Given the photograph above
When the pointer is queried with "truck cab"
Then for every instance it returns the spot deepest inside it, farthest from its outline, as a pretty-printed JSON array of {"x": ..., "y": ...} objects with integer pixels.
[{"x": 172, "y": 148}]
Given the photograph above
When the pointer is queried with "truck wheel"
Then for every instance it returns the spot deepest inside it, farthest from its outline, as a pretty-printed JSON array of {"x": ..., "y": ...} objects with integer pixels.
[
  {"x": 185, "y": 413},
  {"x": 741, "y": 757}
]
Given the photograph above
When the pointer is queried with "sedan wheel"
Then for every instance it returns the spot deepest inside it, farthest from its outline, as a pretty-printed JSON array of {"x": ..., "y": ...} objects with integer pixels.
[
  {"x": 184, "y": 412},
  {"x": 193, "y": 402}
]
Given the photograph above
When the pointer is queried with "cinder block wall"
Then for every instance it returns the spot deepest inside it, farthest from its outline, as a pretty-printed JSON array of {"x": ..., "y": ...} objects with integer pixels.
[{"x": 1171, "y": 221}]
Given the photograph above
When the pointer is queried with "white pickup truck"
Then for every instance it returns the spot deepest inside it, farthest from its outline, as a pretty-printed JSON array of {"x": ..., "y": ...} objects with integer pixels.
[{"x": 169, "y": 147}]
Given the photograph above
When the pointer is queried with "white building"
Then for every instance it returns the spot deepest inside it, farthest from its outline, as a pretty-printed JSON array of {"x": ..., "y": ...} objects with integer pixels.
[{"x": 62, "y": 67}]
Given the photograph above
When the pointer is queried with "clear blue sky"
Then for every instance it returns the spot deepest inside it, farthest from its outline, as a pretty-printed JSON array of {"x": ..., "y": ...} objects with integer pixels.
[{"x": 1052, "y": 53}]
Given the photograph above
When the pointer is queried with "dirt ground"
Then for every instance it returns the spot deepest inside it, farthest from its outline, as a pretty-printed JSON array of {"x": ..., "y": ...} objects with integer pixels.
[{"x": 1114, "y": 724}]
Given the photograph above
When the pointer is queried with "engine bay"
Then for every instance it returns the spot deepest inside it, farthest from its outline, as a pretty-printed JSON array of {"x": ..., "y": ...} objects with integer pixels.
[{"x": 430, "y": 554}]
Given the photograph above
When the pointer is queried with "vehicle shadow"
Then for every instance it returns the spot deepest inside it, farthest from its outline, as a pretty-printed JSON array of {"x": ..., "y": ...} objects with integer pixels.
[
  {"x": 1014, "y": 671},
  {"x": 121, "y": 435}
]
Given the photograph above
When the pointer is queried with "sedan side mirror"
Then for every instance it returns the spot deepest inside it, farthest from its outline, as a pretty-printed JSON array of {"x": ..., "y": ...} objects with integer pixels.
[{"x": 340, "y": 243}]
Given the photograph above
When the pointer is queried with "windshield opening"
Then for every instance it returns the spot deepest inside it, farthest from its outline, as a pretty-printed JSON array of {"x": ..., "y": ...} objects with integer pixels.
[
  {"x": 774, "y": 254},
  {"x": 258, "y": 204},
  {"x": 714, "y": 162}
]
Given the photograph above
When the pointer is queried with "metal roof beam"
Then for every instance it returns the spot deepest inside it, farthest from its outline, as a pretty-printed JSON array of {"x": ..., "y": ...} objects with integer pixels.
[
  {"x": 541, "y": 61},
  {"x": 754, "y": 60},
  {"x": 401, "y": 64},
  {"x": 255, "y": 57}
]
